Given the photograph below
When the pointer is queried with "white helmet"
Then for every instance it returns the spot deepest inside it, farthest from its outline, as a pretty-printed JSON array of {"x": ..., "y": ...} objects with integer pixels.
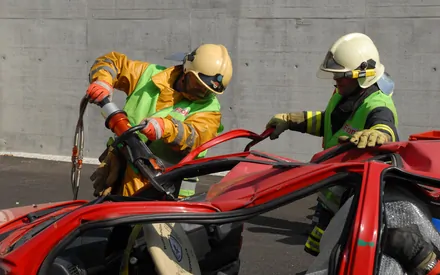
[{"x": 353, "y": 52}]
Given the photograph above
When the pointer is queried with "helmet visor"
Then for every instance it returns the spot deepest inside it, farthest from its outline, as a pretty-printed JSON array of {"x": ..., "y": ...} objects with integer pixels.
[
  {"x": 214, "y": 82},
  {"x": 331, "y": 64},
  {"x": 330, "y": 68}
]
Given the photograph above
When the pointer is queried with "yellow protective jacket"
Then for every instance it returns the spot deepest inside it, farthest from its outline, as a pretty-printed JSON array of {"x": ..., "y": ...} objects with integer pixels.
[{"x": 123, "y": 73}]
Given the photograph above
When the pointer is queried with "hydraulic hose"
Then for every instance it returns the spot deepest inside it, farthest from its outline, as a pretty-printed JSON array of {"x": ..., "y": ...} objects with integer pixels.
[{"x": 77, "y": 150}]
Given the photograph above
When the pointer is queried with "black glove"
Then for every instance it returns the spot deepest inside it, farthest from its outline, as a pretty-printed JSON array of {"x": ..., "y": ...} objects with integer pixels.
[{"x": 407, "y": 246}]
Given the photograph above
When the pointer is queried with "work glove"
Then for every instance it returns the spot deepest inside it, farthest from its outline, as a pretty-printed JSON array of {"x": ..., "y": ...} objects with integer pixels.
[
  {"x": 106, "y": 175},
  {"x": 286, "y": 121},
  {"x": 366, "y": 138},
  {"x": 154, "y": 129},
  {"x": 408, "y": 247},
  {"x": 98, "y": 90}
]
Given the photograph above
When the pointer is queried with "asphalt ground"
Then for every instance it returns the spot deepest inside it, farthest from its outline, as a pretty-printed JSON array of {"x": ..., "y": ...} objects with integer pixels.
[{"x": 273, "y": 242}]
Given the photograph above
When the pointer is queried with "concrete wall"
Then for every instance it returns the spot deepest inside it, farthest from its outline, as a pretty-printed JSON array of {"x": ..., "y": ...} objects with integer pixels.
[{"x": 47, "y": 47}]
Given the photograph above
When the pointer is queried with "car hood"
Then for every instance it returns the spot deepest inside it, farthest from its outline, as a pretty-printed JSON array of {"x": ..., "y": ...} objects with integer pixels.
[
  {"x": 248, "y": 182},
  {"x": 16, "y": 216}
]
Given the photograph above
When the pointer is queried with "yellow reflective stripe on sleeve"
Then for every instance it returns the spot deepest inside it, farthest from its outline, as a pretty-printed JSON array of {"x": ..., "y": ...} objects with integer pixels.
[
  {"x": 309, "y": 119},
  {"x": 313, "y": 122},
  {"x": 312, "y": 244},
  {"x": 317, "y": 233},
  {"x": 318, "y": 123},
  {"x": 386, "y": 128}
]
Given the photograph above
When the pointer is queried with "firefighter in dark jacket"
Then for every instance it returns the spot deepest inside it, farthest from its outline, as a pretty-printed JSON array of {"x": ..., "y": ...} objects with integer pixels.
[{"x": 361, "y": 110}]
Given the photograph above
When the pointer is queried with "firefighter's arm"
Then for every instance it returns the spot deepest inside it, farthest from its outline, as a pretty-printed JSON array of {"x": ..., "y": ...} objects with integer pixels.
[
  {"x": 193, "y": 132},
  {"x": 382, "y": 119},
  {"x": 116, "y": 69},
  {"x": 379, "y": 129},
  {"x": 304, "y": 122}
]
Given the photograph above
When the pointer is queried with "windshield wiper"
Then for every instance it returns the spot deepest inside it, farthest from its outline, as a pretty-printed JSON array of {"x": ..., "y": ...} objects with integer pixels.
[
  {"x": 41, "y": 213},
  {"x": 44, "y": 212},
  {"x": 34, "y": 231},
  {"x": 31, "y": 217}
]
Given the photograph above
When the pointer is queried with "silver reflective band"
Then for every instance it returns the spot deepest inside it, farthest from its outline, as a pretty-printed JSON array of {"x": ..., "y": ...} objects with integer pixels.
[
  {"x": 188, "y": 185},
  {"x": 157, "y": 128},
  {"x": 104, "y": 85},
  {"x": 108, "y": 109}
]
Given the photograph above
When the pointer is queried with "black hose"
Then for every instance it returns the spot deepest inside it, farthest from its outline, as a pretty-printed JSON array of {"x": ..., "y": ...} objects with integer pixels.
[{"x": 78, "y": 146}]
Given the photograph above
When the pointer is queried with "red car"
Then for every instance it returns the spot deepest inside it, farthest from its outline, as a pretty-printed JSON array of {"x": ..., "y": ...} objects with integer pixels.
[
  {"x": 53, "y": 239},
  {"x": 394, "y": 186}
]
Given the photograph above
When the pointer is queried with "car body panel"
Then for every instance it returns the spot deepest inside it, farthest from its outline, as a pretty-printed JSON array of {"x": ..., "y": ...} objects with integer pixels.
[{"x": 248, "y": 185}]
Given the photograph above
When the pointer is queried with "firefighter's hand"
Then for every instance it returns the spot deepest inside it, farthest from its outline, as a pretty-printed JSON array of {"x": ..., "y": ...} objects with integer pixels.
[
  {"x": 154, "y": 128},
  {"x": 106, "y": 175},
  {"x": 366, "y": 138},
  {"x": 98, "y": 90},
  {"x": 283, "y": 122}
]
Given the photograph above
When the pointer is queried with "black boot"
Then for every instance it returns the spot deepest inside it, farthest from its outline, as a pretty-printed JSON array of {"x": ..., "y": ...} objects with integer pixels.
[{"x": 320, "y": 221}]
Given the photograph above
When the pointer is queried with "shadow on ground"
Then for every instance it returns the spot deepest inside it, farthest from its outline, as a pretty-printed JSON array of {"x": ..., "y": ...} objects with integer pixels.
[{"x": 295, "y": 232}]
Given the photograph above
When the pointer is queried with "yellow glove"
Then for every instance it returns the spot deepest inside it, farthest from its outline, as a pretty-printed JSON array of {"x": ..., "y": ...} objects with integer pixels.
[
  {"x": 286, "y": 121},
  {"x": 106, "y": 174},
  {"x": 366, "y": 138}
]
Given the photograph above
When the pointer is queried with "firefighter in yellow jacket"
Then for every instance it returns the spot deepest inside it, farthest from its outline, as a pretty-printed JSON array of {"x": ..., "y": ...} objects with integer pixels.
[{"x": 179, "y": 103}]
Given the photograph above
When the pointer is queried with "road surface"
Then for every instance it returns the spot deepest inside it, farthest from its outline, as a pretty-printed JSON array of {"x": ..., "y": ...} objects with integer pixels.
[{"x": 273, "y": 243}]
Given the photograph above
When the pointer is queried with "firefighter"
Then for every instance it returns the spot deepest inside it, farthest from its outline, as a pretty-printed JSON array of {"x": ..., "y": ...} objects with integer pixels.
[
  {"x": 179, "y": 103},
  {"x": 361, "y": 110}
]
